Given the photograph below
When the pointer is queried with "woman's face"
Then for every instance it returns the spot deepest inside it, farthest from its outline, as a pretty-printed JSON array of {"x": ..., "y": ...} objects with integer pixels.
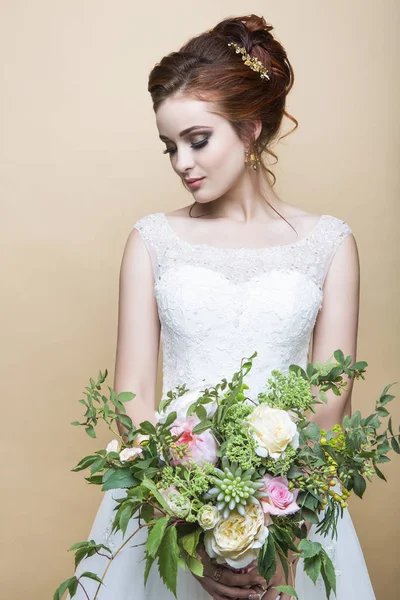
[{"x": 211, "y": 149}]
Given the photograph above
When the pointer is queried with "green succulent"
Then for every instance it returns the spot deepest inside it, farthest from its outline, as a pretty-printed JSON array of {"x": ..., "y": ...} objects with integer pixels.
[{"x": 234, "y": 489}]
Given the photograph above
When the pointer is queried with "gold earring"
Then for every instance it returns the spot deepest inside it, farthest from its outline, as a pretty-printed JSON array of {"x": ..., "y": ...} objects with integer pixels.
[{"x": 251, "y": 160}]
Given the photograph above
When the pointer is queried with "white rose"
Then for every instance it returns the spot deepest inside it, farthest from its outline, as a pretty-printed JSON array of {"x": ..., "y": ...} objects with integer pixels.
[
  {"x": 273, "y": 430},
  {"x": 113, "y": 446},
  {"x": 140, "y": 439},
  {"x": 237, "y": 540},
  {"x": 179, "y": 504},
  {"x": 182, "y": 403},
  {"x": 129, "y": 454},
  {"x": 208, "y": 516}
]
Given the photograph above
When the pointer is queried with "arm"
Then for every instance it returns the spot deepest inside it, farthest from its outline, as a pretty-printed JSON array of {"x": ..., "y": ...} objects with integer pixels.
[
  {"x": 138, "y": 331},
  {"x": 337, "y": 325}
]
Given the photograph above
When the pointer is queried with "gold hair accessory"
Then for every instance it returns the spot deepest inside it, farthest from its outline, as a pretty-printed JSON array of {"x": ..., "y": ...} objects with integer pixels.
[{"x": 251, "y": 61}]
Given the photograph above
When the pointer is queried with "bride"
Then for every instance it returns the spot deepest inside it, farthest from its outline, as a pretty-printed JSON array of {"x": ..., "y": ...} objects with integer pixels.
[{"x": 238, "y": 270}]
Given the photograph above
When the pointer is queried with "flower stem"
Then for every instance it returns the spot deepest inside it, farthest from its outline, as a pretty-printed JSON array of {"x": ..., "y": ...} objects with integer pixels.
[{"x": 116, "y": 554}]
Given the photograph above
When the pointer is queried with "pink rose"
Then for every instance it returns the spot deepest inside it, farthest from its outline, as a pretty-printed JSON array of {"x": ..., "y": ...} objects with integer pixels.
[
  {"x": 200, "y": 448},
  {"x": 278, "y": 499}
]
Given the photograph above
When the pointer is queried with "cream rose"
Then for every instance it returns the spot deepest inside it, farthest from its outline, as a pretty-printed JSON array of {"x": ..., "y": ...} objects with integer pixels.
[
  {"x": 113, "y": 446},
  {"x": 208, "y": 516},
  {"x": 140, "y": 439},
  {"x": 237, "y": 540},
  {"x": 181, "y": 404},
  {"x": 273, "y": 430},
  {"x": 130, "y": 454}
]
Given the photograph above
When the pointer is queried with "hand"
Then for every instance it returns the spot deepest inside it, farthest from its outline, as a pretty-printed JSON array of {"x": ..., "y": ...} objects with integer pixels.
[
  {"x": 278, "y": 578},
  {"x": 231, "y": 585}
]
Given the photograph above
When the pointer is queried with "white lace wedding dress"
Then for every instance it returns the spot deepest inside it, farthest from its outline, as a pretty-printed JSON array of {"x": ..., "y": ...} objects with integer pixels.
[{"x": 216, "y": 306}]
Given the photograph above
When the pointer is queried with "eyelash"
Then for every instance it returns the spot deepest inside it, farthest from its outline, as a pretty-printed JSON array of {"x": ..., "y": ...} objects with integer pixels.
[{"x": 196, "y": 146}]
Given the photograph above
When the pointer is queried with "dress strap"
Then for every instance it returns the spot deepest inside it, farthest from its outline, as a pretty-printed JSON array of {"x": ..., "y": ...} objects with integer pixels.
[
  {"x": 154, "y": 236},
  {"x": 331, "y": 233}
]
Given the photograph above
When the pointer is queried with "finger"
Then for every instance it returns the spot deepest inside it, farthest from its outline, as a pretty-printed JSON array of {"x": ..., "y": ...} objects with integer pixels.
[
  {"x": 229, "y": 577},
  {"x": 272, "y": 594},
  {"x": 209, "y": 590},
  {"x": 227, "y": 592}
]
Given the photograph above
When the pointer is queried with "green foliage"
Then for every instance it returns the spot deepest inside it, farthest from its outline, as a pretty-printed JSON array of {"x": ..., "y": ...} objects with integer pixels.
[
  {"x": 190, "y": 541},
  {"x": 155, "y": 536},
  {"x": 267, "y": 559},
  {"x": 286, "y": 589},
  {"x": 168, "y": 559}
]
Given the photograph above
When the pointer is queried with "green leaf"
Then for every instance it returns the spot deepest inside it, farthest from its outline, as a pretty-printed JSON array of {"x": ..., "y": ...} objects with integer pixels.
[
  {"x": 385, "y": 399},
  {"x": 93, "y": 576},
  {"x": 75, "y": 423},
  {"x": 379, "y": 473},
  {"x": 314, "y": 431},
  {"x": 267, "y": 559},
  {"x": 125, "y": 420},
  {"x": 149, "y": 563},
  {"x": 309, "y": 549},
  {"x": 202, "y": 427},
  {"x": 126, "y": 396},
  {"x": 62, "y": 588},
  {"x": 312, "y": 566},
  {"x": 382, "y": 412},
  {"x": 356, "y": 419},
  {"x": 196, "y": 566},
  {"x": 150, "y": 485},
  {"x": 358, "y": 366},
  {"x": 309, "y": 515},
  {"x": 147, "y": 512},
  {"x": 170, "y": 418},
  {"x": 383, "y": 448},
  {"x": 328, "y": 571},
  {"x": 339, "y": 356},
  {"x": 294, "y": 472},
  {"x": 168, "y": 559},
  {"x": 359, "y": 484},
  {"x": 90, "y": 431},
  {"x": 98, "y": 465},
  {"x": 85, "y": 462},
  {"x": 94, "y": 479},
  {"x": 190, "y": 541},
  {"x": 395, "y": 445},
  {"x": 121, "y": 478},
  {"x": 125, "y": 517},
  {"x": 155, "y": 536},
  {"x": 286, "y": 589},
  {"x": 147, "y": 428},
  {"x": 201, "y": 413}
]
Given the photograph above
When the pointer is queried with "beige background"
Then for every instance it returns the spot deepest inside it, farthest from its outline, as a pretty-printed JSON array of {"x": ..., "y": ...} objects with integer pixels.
[{"x": 80, "y": 162}]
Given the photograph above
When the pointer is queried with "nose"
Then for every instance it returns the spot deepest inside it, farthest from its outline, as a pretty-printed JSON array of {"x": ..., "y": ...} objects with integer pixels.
[{"x": 184, "y": 161}]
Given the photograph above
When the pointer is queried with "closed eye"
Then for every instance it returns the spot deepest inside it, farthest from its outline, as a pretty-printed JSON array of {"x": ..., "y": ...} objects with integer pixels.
[{"x": 197, "y": 145}]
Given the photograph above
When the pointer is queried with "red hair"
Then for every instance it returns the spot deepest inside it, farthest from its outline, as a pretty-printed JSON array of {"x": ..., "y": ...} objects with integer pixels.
[{"x": 206, "y": 69}]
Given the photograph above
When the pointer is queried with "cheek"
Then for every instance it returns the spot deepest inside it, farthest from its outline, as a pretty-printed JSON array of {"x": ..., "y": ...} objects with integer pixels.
[{"x": 228, "y": 159}]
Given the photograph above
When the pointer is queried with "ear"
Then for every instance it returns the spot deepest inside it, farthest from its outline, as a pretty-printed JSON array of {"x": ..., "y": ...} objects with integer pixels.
[{"x": 257, "y": 126}]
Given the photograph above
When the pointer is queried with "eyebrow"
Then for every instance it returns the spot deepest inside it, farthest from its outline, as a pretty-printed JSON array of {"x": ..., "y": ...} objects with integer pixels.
[{"x": 186, "y": 131}]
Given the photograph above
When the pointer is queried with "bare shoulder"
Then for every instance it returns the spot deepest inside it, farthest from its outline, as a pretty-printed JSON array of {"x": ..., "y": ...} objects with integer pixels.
[{"x": 180, "y": 212}]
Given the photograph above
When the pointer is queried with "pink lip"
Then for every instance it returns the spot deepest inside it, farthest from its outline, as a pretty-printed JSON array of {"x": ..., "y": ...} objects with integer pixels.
[{"x": 194, "y": 183}]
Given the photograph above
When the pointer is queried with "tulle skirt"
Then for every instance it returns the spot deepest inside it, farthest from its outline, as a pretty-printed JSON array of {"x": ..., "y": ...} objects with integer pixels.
[{"x": 124, "y": 578}]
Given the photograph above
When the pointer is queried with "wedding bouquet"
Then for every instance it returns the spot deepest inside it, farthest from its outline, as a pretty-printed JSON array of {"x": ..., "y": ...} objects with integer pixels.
[{"x": 235, "y": 475}]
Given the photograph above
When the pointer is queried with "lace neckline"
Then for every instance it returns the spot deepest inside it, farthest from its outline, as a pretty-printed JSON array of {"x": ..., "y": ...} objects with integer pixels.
[{"x": 241, "y": 249}]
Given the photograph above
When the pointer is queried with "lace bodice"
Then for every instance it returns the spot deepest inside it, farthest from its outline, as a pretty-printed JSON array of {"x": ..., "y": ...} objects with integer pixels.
[{"x": 218, "y": 305}]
